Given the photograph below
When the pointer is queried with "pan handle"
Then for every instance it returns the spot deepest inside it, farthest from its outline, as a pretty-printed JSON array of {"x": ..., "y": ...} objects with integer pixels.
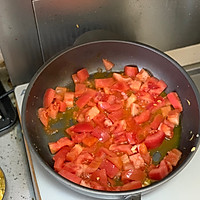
[{"x": 131, "y": 197}]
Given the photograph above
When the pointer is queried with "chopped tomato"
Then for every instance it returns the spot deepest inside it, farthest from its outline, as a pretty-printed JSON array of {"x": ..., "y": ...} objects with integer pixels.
[
  {"x": 83, "y": 127},
  {"x": 174, "y": 100},
  {"x": 156, "y": 121},
  {"x": 142, "y": 117},
  {"x": 75, "y": 151},
  {"x": 173, "y": 157},
  {"x": 159, "y": 172},
  {"x": 53, "y": 110},
  {"x": 56, "y": 146},
  {"x": 100, "y": 176},
  {"x": 85, "y": 98},
  {"x": 48, "y": 98},
  {"x": 133, "y": 175},
  {"x": 100, "y": 133},
  {"x": 111, "y": 169},
  {"x": 82, "y": 75},
  {"x": 130, "y": 70},
  {"x": 70, "y": 176},
  {"x": 154, "y": 140},
  {"x": 107, "y": 64},
  {"x": 43, "y": 116},
  {"x": 69, "y": 99},
  {"x": 80, "y": 88},
  {"x": 117, "y": 121},
  {"x": 105, "y": 82},
  {"x": 132, "y": 185}
]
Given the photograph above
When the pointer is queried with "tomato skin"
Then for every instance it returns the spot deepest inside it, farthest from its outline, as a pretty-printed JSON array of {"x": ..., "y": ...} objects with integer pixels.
[
  {"x": 83, "y": 127},
  {"x": 48, "y": 97},
  {"x": 70, "y": 176},
  {"x": 82, "y": 75},
  {"x": 56, "y": 146},
  {"x": 100, "y": 133},
  {"x": 173, "y": 157},
  {"x": 154, "y": 140},
  {"x": 175, "y": 101},
  {"x": 80, "y": 88},
  {"x": 69, "y": 99},
  {"x": 133, "y": 175},
  {"x": 130, "y": 70},
  {"x": 43, "y": 116},
  {"x": 159, "y": 172},
  {"x": 107, "y": 64},
  {"x": 100, "y": 176},
  {"x": 111, "y": 169},
  {"x": 156, "y": 121},
  {"x": 85, "y": 98},
  {"x": 132, "y": 185},
  {"x": 104, "y": 82},
  {"x": 143, "y": 117}
]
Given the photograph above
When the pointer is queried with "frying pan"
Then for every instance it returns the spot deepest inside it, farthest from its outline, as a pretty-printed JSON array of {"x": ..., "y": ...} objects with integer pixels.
[{"x": 58, "y": 71}]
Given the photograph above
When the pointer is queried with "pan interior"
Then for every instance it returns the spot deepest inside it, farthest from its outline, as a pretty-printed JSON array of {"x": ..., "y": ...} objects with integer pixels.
[{"x": 58, "y": 71}]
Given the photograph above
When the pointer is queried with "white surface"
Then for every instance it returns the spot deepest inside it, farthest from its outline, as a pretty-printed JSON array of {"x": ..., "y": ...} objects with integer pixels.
[{"x": 184, "y": 186}]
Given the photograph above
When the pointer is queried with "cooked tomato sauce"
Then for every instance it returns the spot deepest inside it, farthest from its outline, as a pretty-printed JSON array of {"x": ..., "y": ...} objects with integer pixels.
[{"x": 121, "y": 129}]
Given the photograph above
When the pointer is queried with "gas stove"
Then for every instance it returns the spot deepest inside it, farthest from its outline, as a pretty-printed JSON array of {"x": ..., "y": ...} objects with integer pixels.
[{"x": 183, "y": 186}]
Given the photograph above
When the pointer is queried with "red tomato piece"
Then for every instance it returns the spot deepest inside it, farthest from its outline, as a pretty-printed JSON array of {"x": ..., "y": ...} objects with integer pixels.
[
  {"x": 175, "y": 101},
  {"x": 173, "y": 117},
  {"x": 156, "y": 121},
  {"x": 61, "y": 153},
  {"x": 83, "y": 127},
  {"x": 75, "y": 78},
  {"x": 84, "y": 158},
  {"x": 43, "y": 116},
  {"x": 99, "y": 119},
  {"x": 135, "y": 109},
  {"x": 135, "y": 85},
  {"x": 132, "y": 185},
  {"x": 94, "y": 165},
  {"x": 56, "y": 146},
  {"x": 70, "y": 176},
  {"x": 78, "y": 138},
  {"x": 126, "y": 162},
  {"x": 159, "y": 172},
  {"x": 149, "y": 84},
  {"x": 89, "y": 141},
  {"x": 167, "y": 130},
  {"x": 137, "y": 160},
  {"x": 53, "y": 110},
  {"x": 100, "y": 133},
  {"x": 111, "y": 169},
  {"x": 143, "y": 75},
  {"x": 142, "y": 117},
  {"x": 107, "y": 64},
  {"x": 69, "y": 99},
  {"x": 126, "y": 148},
  {"x": 75, "y": 151},
  {"x": 62, "y": 105},
  {"x": 133, "y": 175},
  {"x": 142, "y": 149},
  {"x": 104, "y": 82},
  {"x": 48, "y": 98},
  {"x": 161, "y": 86},
  {"x": 144, "y": 96},
  {"x": 130, "y": 137},
  {"x": 173, "y": 157},
  {"x": 120, "y": 87},
  {"x": 91, "y": 113},
  {"x": 154, "y": 140},
  {"x": 116, "y": 115},
  {"x": 130, "y": 70},
  {"x": 116, "y": 161},
  {"x": 100, "y": 176},
  {"x": 85, "y": 98},
  {"x": 82, "y": 75},
  {"x": 80, "y": 88}
]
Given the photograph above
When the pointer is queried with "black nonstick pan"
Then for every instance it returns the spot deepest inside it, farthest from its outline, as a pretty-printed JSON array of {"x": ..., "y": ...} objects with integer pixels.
[{"x": 58, "y": 71}]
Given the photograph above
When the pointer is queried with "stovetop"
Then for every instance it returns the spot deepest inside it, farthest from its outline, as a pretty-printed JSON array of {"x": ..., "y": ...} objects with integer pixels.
[{"x": 183, "y": 186}]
